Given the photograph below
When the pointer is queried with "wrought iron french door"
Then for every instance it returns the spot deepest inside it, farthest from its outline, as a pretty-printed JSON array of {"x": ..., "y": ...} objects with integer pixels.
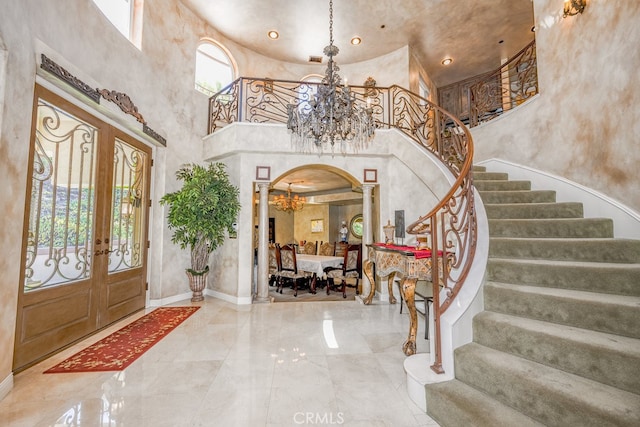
[{"x": 85, "y": 240}]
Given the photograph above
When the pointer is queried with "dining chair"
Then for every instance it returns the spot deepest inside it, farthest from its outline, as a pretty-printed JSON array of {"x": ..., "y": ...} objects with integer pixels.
[
  {"x": 310, "y": 248},
  {"x": 351, "y": 269},
  {"x": 288, "y": 268},
  {"x": 273, "y": 264},
  {"x": 327, "y": 249},
  {"x": 341, "y": 248}
]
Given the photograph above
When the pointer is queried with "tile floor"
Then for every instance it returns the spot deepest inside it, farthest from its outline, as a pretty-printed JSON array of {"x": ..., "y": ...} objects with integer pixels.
[{"x": 279, "y": 364}]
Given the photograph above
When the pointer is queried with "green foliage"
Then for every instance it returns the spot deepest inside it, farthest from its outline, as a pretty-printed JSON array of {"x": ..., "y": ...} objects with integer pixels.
[
  {"x": 70, "y": 223},
  {"x": 202, "y": 210}
]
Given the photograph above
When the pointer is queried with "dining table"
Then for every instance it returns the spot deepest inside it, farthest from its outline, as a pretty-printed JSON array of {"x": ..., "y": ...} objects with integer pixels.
[{"x": 315, "y": 264}]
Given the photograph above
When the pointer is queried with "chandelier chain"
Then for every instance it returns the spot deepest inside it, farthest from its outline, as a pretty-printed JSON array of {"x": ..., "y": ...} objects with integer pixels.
[{"x": 331, "y": 22}]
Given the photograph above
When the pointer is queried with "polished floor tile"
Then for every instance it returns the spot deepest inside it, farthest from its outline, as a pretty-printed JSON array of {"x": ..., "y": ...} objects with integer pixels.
[{"x": 279, "y": 364}]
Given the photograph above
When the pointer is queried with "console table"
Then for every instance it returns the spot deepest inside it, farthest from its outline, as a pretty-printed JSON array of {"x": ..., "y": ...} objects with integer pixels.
[{"x": 412, "y": 265}]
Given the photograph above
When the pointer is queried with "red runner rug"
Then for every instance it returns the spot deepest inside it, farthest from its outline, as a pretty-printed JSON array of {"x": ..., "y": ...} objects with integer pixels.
[{"x": 123, "y": 347}]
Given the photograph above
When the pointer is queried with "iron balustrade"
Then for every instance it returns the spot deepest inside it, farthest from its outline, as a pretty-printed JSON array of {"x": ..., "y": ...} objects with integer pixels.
[
  {"x": 451, "y": 223},
  {"x": 505, "y": 88}
]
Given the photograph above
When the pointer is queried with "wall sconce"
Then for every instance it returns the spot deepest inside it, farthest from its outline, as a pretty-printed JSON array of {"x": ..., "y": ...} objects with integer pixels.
[{"x": 573, "y": 7}]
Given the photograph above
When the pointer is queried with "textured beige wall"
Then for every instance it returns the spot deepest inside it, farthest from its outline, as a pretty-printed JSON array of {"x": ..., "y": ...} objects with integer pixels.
[
  {"x": 302, "y": 223},
  {"x": 387, "y": 70},
  {"x": 585, "y": 124},
  {"x": 284, "y": 226},
  {"x": 417, "y": 71}
]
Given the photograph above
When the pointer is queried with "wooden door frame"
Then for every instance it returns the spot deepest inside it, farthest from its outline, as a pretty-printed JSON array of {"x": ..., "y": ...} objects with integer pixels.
[{"x": 83, "y": 290}]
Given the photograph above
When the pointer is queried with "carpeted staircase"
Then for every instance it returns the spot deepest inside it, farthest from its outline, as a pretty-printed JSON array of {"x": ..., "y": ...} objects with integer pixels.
[{"x": 559, "y": 341}]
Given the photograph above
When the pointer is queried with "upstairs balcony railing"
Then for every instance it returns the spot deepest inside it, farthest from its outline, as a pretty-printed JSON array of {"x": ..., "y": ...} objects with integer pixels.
[
  {"x": 505, "y": 88},
  {"x": 486, "y": 96},
  {"x": 451, "y": 224}
]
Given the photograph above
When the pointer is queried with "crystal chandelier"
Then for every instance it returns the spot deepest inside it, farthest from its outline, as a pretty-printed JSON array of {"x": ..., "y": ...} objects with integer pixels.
[
  {"x": 332, "y": 114},
  {"x": 289, "y": 204}
]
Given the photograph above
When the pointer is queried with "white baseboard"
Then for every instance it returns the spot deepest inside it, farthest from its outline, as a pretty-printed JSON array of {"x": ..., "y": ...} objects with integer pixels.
[
  {"x": 169, "y": 300},
  {"x": 208, "y": 292},
  {"x": 229, "y": 298},
  {"x": 6, "y": 386},
  {"x": 596, "y": 205}
]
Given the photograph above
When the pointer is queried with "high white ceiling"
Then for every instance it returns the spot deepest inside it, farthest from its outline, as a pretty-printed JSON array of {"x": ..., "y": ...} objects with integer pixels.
[
  {"x": 469, "y": 31},
  {"x": 477, "y": 34}
]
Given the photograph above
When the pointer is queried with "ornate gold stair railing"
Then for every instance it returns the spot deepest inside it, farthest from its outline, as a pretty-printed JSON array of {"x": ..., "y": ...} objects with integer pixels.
[{"x": 451, "y": 223}]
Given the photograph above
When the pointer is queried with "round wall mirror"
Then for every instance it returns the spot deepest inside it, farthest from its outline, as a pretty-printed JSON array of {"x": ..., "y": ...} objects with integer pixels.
[{"x": 356, "y": 226}]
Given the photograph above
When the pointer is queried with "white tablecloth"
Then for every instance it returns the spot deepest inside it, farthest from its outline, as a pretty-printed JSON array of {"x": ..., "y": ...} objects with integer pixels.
[{"x": 317, "y": 263}]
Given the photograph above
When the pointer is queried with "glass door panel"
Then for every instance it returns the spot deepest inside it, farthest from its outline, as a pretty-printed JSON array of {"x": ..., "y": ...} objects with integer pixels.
[
  {"x": 128, "y": 222},
  {"x": 61, "y": 214}
]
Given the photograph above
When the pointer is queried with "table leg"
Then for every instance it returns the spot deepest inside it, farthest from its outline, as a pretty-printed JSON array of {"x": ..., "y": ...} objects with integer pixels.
[
  {"x": 408, "y": 289},
  {"x": 367, "y": 267},
  {"x": 392, "y": 299}
]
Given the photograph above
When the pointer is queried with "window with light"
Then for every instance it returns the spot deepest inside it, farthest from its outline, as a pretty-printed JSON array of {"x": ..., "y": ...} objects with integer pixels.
[
  {"x": 214, "y": 68},
  {"x": 125, "y": 15}
]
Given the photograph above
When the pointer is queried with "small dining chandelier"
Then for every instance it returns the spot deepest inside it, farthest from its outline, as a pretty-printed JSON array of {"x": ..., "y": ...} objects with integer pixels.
[
  {"x": 332, "y": 113},
  {"x": 288, "y": 203}
]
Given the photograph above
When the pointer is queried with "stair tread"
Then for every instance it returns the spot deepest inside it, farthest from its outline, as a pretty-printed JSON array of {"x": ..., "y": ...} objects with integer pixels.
[
  {"x": 489, "y": 176},
  {"x": 513, "y": 182},
  {"x": 475, "y": 179},
  {"x": 550, "y": 219},
  {"x": 604, "y": 355},
  {"x": 587, "y": 249},
  {"x": 485, "y": 193},
  {"x": 478, "y": 407},
  {"x": 531, "y": 211},
  {"x": 612, "y": 342},
  {"x": 550, "y": 227},
  {"x": 623, "y": 300},
  {"x": 582, "y": 392},
  {"x": 552, "y": 262},
  {"x": 537, "y": 204},
  {"x": 603, "y": 240},
  {"x": 600, "y": 311}
]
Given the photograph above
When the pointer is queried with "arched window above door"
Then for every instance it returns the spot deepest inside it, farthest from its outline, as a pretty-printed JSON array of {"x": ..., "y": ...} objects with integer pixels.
[
  {"x": 126, "y": 16},
  {"x": 215, "y": 67}
]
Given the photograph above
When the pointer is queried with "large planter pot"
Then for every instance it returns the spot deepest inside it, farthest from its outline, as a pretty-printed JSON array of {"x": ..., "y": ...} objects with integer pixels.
[{"x": 197, "y": 283}]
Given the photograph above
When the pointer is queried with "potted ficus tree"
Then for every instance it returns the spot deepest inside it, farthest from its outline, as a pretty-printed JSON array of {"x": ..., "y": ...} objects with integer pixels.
[{"x": 200, "y": 215}]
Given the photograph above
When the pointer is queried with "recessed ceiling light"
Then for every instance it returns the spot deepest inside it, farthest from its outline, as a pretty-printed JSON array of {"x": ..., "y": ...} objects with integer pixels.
[
  {"x": 356, "y": 41},
  {"x": 273, "y": 34},
  {"x": 447, "y": 61}
]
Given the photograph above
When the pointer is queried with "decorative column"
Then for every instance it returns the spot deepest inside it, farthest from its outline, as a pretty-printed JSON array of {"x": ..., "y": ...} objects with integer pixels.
[
  {"x": 263, "y": 244},
  {"x": 367, "y": 233}
]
